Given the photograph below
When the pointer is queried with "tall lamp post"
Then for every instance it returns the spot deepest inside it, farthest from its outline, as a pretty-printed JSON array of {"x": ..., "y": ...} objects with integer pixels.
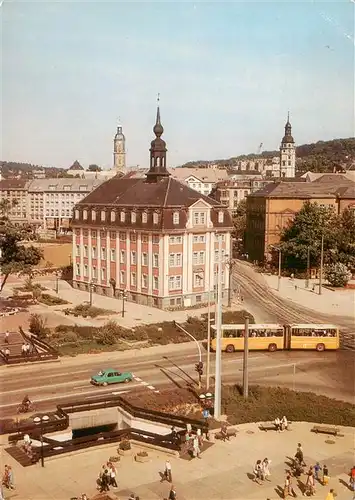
[
  {"x": 40, "y": 420},
  {"x": 91, "y": 289},
  {"x": 279, "y": 275},
  {"x": 57, "y": 282},
  {"x": 123, "y": 295},
  {"x": 218, "y": 372},
  {"x": 308, "y": 266},
  {"x": 199, "y": 365}
]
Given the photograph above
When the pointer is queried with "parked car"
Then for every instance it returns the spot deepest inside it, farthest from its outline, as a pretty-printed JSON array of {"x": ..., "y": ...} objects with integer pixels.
[{"x": 111, "y": 376}]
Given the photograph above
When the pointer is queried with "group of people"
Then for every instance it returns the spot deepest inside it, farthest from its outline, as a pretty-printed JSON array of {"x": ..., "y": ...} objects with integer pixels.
[
  {"x": 262, "y": 470},
  {"x": 25, "y": 349},
  {"x": 193, "y": 442},
  {"x": 8, "y": 478},
  {"x": 281, "y": 424},
  {"x": 107, "y": 477}
]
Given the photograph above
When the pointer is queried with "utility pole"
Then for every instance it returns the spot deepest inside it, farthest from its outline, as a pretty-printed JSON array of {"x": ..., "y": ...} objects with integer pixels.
[
  {"x": 321, "y": 265},
  {"x": 279, "y": 275},
  {"x": 208, "y": 335},
  {"x": 218, "y": 374},
  {"x": 308, "y": 266},
  {"x": 230, "y": 272},
  {"x": 246, "y": 360}
]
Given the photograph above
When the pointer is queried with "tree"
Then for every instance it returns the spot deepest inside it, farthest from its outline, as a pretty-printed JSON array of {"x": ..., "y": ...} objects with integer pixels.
[
  {"x": 304, "y": 233},
  {"x": 337, "y": 274},
  {"x": 94, "y": 168},
  {"x": 38, "y": 326},
  {"x": 15, "y": 254},
  {"x": 240, "y": 224}
]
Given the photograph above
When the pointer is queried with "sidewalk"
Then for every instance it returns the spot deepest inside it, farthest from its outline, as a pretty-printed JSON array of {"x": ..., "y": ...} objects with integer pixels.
[
  {"x": 224, "y": 471},
  {"x": 341, "y": 303}
]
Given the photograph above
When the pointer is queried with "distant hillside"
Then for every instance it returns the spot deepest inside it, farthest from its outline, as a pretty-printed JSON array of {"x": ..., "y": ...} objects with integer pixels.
[
  {"x": 26, "y": 170},
  {"x": 322, "y": 156}
]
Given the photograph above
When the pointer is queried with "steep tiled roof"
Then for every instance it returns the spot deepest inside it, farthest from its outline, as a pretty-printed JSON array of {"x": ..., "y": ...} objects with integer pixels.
[
  {"x": 76, "y": 166},
  {"x": 202, "y": 174},
  {"x": 302, "y": 189},
  {"x": 9, "y": 184},
  {"x": 132, "y": 192}
]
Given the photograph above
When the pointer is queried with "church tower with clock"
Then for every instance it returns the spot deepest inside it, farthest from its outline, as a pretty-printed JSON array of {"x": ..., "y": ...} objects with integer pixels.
[{"x": 119, "y": 151}]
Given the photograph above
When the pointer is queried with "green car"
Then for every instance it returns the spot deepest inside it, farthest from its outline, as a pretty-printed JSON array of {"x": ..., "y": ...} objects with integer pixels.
[{"x": 110, "y": 376}]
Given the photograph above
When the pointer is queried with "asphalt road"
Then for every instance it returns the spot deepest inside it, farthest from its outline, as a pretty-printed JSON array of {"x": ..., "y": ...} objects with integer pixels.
[{"x": 54, "y": 383}]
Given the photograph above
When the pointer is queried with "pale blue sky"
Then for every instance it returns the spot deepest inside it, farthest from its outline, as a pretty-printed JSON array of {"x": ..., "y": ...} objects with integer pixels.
[{"x": 227, "y": 73}]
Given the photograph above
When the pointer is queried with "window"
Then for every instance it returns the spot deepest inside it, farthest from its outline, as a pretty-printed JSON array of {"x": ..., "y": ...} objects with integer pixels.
[
  {"x": 122, "y": 236},
  {"x": 144, "y": 259},
  {"x": 93, "y": 252},
  {"x": 199, "y": 238},
  {"x": 86, "y": 271},
  {"x": 174, "y": 282},
  {"x": 85, "y": 250},
  {"x": 103, "y": 273},
  {"x": 122, "y": 277},
  {"x": 103, "y": 253},
  {"x": 94, "y": 272},
  {"x": 198, "y": 279},
  {"x": 220, "y": 217},
  {"x": 103, "y": 215},
  {"x": 199, "y": 218},
  {"x": 122, "y": 257},
  {"x": 93, "y": 215},
  {"x": 175, "y": 240},
  {"x": 113, "y": 255},
  {"x": 122, "y": 216},
  {"x": 133, "y": 258},
  {"x": 155, "y": 260},
  {"x": 175, "y": 260},
  {"x": 144, "y": 238},
  {"x": 112, "y": 235},
  {"x": 77, "y": 214},
  {"x": 144, "y": 217},
  {"x": 178, "y": 282},
  {"x": 198, "y": 258},
  {"x": 155, "y": 283},
  {"x": 133, "y": 217},
  {"x": 77, "y": 250},
  {"x": 198, "y": 298},
  {"x": 93, "y": 234},
  {"x": 176, "y": 218},
  {"x": 103, "y": 234},
  {"x": 155, "y": 239},
  {"x": 78, "y": 269},
  {"x": 113, "y": 216},
  {"x": 85, "y": 214},
  {"x": 155, "y": 218},
  {"x": 133, "y": 237},
  {"x": 144, "y": 281},
  {"x": 133, "y": 279}
]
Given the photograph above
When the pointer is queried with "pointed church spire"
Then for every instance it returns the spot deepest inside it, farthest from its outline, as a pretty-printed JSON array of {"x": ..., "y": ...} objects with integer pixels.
[{"x": 158, "y": 151}]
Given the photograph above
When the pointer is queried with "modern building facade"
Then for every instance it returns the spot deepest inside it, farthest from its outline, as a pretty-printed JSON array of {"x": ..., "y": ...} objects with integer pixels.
[
  {"x": 271, "y": 209},
  {"x": 154, "y": 238},
  {"x": 15, "y": 192}
]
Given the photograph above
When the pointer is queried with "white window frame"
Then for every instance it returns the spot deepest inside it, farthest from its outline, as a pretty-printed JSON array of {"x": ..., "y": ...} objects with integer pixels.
[
  {"x": 220, "y": 217},
  {"x": 155, "y": 282},
  {"x": 133, "y": 257},
  {"x": 144, "y": 259},
  {"x": 103, "y": 253},
  {"x": 122, "y": 216},
  {"x": 103, "y": 215},
  {"x": 77, "y": 214},
  {"x": 122, "y": 257},
  {"x": 113, "y": 254},
  {"x": 155, "y": 218},
  {"x": 134, "y": 279},
  {"x": 85, "y": 214},
  {"x": 93, "y": 252},
  {"x": 113, "y": 216},
  {"x": 103, "y": 274},
  {"x": 176, "y": 218},
  {"x": 155, "y": 260},
  {"x": 145, "y": 281},
  {"x": 199, "y": 280},
  {"x": 93, "y": 214},
  {"x": 133, "y": 217},
  {"x": 122, "y": 277},
  {"x": 144, "y": 217}
]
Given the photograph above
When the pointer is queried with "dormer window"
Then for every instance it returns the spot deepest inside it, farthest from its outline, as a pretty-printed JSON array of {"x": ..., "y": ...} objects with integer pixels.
[
  {"x": 113, "y": 216},
  {"x": 133, "y": 217},
  {"x": 85, "y": 214},
  {"x": 176, "y": 218},
  {"x": 77, "y": 214},
  {"x": 103, "y": 215},
  {"x": 144, "y": 217},
  {"x": 93, "y": 215},
  {"x": 123, "y": 216},
  {"x": 220, "y": 216},
  {"x": 155, "y": 218}
]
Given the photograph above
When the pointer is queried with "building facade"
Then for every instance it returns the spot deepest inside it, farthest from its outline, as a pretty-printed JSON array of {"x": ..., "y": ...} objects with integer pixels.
[
  {"x": 203, "y": 180},
  {"x": 155, "y": 239},
  {"x": 271, "y": 209},
  {"x": 15, "y": 192}
]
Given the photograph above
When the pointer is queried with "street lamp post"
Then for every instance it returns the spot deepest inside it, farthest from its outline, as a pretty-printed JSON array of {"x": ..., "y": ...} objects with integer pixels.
[
  {"x": 218, "y": 372},
  {"x": 321, "y": 265},
  {"x": 279, "y": 275},
  {"x": 57, "y": 283},
  {"x": 91, "y": 289},
  {"x": 123, "y": 295},
  {"x": 308, "y": 266},
  {"x": 40, "y": 420},
  {"x": 199, "y": 366}
]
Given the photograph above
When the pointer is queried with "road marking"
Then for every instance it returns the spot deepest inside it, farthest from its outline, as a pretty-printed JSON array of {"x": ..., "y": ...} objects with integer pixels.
[
  {"x": 119, "y": 392},
  {"x": 144, "y": 383},
  {"x": 138, "y": 379},
  {"x": 156, "y": 390},
  {"x": 151, "y": 387}
]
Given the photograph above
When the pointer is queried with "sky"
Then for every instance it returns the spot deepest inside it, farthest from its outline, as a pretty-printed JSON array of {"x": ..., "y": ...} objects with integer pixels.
[{"x": 227, "y": 74}]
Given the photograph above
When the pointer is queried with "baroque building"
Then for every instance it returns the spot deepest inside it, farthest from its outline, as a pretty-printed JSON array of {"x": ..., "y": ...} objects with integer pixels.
[
  {"x": 154, "y": 238},
  {"x": 288, "y": 152},
  {"x": 119, "y": 151}
]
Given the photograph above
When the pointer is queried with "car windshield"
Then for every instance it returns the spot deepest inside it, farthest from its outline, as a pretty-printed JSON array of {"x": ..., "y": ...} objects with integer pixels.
[{"x": 101, "y": 373}]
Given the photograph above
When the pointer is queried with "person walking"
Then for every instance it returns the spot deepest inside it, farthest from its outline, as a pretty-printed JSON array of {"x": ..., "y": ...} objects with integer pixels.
[
  {"x": 299, "y": 455},
  {"x": 105, "y": 480},
  {"x": 265, "y": 466},
  {"x": 167, "y": 476},
  {"x": 352, "y": 479},
  {"x": 288, "y": 490},
  {"x": 23, "y": 350},
  {"x": 7, "y": 337},
  {"x": 11, "y": 477},
  {"x": 112, "y": 472},
  {"x": 257, "y": 472},
  {"x": 325, "y": 480},
  {"x": 7, "y": 354},
  {"x": 317, "y": 471},
  {"x": 172, "y": 494},
  {"x": 284, "y": 423},
  {"x": 196, "y": 447},
  {"x": 331, "y": 495},
  {"x": 310, "y": 484},
  {"x": 278, "y": 424}
]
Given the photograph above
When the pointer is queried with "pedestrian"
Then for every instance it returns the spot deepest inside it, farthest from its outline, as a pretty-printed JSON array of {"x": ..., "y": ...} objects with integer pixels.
[
  {"x": 224, "y": 432},
  {"x": 310, "y": 484},
  {"x": 257, "y": 471},
  {"x": 172, "y": 494},
  {"x": 284, "y": 423},
  {"x": 278, "y": 424},
  {"x": 105, "y": 481},
  {"x": 7, "y": 337},
  {"x": 352, "y": 479},
  {"x": 28, "y": 349},
  {"x": 331, "y": 495},
  {"x": 188, "y": 428},
  {"x": 132, "y": 496},
  {"x": 196, "y": 447},
  {"x": 299, "y": 455},
  {"x": 5, "y": 477},
  {"x": 265, "y": 466},
  {"x": 325, "y": 475},
  {"x": 23, "y": 350},
  {"x": 317, "y": 470},
  {"x": 288, "y": 486},
  {"x": 112, "y": 471},
  {"x": 1, "y": 493},
  {"x": 7, "y": 354},
  {"x": 167, "y": 476},
  {"x": 11, "y": 477}
]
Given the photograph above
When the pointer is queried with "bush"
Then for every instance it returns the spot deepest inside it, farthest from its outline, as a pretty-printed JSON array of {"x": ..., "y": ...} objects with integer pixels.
[
  {"x": 124, "y": 445},
  {"x": 38, "y": 326},
  {"x": 70, "y": 337},
  {"x": 337, "y": 274},
  {"x": 50, "y": 300},
  {"x": 266, "y": 403},
  {"x": 142, "y": 454},
  {"x": 87, "y": 310}
]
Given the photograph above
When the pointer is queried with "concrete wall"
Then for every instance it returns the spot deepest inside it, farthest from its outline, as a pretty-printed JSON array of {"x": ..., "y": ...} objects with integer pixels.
[
  {"x": 126, "y": 420},
  {"x": 93, "y": 418}
]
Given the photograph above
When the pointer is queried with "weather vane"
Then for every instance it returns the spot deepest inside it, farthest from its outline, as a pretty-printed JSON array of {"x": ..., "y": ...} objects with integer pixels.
[{"x": 158, "y": 98}]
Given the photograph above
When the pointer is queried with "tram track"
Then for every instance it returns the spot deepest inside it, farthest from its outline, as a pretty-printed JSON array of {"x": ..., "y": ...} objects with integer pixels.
[{"x": 255, "y": 289}]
